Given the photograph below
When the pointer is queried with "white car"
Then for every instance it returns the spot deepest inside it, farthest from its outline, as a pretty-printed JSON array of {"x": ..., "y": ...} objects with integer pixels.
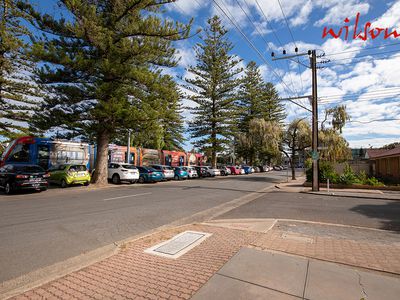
[
  {"x": 166, "y": 170},
  {"x": 192, "y": 173},
  {"x": 242, "y": 171},
  {"x": 213, "y": 172},
  {"x": 118, "y": 172}
]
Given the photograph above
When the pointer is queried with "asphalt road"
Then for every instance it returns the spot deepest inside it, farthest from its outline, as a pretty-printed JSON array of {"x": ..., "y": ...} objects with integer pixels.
[
  {"x": 371, "y": 213},
  {"x": 40, "y": 229}
]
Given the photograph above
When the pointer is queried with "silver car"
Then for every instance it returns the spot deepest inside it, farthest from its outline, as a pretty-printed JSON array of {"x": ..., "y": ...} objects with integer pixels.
[{"x": 167, "y": 171}]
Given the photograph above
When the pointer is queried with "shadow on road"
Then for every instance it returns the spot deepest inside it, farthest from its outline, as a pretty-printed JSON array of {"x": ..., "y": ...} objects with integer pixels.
[
  {"x": 255, "y": 178},
  {"x": 389, "y": 213}
]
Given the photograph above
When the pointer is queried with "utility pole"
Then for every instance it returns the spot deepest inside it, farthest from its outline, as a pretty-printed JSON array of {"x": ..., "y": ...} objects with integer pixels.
[
  {"x": 315, "y": 155},
  {"x": 313, "y": 66},
  {"x": 128, "y": 149}
]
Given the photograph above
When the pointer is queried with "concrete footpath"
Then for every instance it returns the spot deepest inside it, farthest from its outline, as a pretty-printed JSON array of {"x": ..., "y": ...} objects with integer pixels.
[
  {"x": 296, "y": 186},
  {"x": 240, "y": 259}
]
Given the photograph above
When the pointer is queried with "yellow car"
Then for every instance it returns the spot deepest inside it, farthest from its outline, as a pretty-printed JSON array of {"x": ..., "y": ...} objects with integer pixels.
[{"x": 66, "y": 175}]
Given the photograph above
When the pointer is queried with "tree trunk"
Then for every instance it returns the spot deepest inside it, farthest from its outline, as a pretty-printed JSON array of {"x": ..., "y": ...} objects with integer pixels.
[
  {"x": 214, "y": 159},
  {"x": 292, "y": 164},
  {"x": 101, "y": 168}
]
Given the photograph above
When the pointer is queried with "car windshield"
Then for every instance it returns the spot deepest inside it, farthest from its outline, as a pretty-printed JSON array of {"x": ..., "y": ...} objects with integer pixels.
[
  {"x": 28, "y": 169},
  {"x": 168, "y": 168},
  {"x": 130, "y": 167},
  {"x": 77, "y": 168},
  {"x": 152, "y": 170}
]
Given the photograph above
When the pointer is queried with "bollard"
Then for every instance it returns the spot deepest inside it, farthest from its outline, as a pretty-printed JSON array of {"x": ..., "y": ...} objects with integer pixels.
[{"x": 327, "y": 184}]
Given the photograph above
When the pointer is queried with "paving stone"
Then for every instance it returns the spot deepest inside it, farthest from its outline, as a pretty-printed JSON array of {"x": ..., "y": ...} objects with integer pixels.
[
  {"x": 223, "y": 288},
  {"x": 275, "y": 271}
]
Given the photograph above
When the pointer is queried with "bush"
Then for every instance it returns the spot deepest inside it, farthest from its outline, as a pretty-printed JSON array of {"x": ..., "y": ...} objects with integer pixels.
[
  {"x": 326, "y": 171},
  {"x": 373, "y": 181},
  {"x": 348, "y": 177}
]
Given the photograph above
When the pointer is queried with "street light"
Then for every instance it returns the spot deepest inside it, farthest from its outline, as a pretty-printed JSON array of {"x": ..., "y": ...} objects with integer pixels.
[{"x": 128, "y": 150}]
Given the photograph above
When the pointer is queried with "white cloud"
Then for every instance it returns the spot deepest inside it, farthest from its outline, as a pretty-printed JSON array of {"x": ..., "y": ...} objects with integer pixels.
[
  {"x": 189, "y": 7},
  {"x": 338, "y": 10},
  {"x": 303, "y": 16},
  {"x": 390, "y": 19}
]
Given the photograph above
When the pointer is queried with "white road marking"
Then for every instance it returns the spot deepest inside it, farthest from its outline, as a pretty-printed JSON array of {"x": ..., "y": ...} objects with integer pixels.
[{"x": 127, "y": 196}]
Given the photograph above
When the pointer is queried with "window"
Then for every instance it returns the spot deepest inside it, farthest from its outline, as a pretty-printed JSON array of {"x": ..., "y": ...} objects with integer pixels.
[{"x": 20, "y": 153}]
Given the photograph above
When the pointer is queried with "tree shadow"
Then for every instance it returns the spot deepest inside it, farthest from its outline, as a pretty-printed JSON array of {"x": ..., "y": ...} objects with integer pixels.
[{"x": 388, "y": 214}]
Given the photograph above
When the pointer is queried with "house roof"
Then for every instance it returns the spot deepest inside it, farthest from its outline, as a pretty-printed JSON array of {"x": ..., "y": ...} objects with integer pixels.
[{"x": 380, "y": 153}]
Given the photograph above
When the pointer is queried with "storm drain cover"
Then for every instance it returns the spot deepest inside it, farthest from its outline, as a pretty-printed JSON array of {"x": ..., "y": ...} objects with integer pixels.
[{"x": 179, "y": 244}]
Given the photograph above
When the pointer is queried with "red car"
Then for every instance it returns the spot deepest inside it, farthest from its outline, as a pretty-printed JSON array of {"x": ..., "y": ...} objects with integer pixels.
[{"x": 235, "y": 170}]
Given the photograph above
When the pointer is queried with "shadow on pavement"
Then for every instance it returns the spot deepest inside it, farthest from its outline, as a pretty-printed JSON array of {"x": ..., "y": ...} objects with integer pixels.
[
  {"x": 389, "y": 213},
  {"x": 256, "y": 179}
]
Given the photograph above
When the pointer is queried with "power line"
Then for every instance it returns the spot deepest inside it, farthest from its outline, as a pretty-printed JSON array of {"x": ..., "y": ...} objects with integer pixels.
[
  {"x": 365, "y": 55},
  {"x": 361, "y": 95},
  {"x": 376, "y": 91},
  {"x": 294, "y": 42},
  {"x": 253, "y": 47},
  {"x": 266, "y": 42},
  {"x": 375, "y": 120},
  {"x": 364, "y": 49}
]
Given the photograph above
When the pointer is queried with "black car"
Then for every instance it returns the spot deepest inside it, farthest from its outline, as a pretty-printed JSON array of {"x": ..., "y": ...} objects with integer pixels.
[
  {"x": 23, "y": 177},
  {"x": 201, "y": 171}
]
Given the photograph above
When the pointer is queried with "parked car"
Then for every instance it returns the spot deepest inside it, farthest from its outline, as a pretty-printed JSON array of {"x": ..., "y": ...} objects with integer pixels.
[
  {"x": 167, "y": 171},
  {"x": 256, "y": 169},
  {"x": 278, "y": 168},
  {"x": 192, "y": 172},
  {"x": 180, "y": 173},
  {"x": 118, "y": 172},
  {"x": 213, "y": 172},
  {"x": 148, "y": 174},
  {"x": 248, "y": 169},
  {"x": 235, "y": 170},
  {"x": 225, "y": 171},
  {"x": 201, "y": 171},
  {"x": 23, "y": 177},
  {"x": 69, "y": 174}
]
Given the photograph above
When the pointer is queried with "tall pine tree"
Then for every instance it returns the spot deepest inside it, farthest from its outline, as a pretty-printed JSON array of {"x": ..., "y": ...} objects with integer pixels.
[
  {"x": 18, "y": 96},
  {"x": 257, "y": 99},
  {"x": 214, "y": 90},
  {"x": 98, "y": 61}
]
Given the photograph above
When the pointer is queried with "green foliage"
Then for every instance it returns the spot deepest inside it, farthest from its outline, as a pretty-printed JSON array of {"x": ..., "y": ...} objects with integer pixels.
[
  {"x": 262, "y": 140},
  {"x": 100, "y": 67},
  {"x": 373, "y": 181},
  {"x": 257, "y": 99},
  {"x": 348, "y": 177},
  {"x": 213, "y": 91},
  {"x": 18, "y": 95}
]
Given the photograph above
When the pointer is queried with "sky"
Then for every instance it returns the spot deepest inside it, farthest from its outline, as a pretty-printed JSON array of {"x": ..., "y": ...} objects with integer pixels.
[{"x": 361, "y": 74}]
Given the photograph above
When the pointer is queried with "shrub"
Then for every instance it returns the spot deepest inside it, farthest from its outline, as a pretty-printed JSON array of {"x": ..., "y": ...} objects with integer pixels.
[
  {"x": 348, "y": 177},
  {"x": 373, "y": 181}
]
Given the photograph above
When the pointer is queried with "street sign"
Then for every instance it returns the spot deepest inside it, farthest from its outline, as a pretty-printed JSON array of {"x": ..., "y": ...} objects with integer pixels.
[{"x": 314, "y": 155}]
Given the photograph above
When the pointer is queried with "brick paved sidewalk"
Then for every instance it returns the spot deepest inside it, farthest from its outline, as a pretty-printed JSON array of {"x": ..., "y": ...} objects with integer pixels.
[
  {"x": 370, "y": 255},
  {"x": 133, "y": 274}
]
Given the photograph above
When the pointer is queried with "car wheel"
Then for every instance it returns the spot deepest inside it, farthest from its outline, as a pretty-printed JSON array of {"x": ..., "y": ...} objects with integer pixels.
[
  {"x": 141, "y": 179},
  {"x": 43, "y": 189},
  {"x": 116, "y": 179},
  {"x": 63, "y": 183},
  {"x": 8, "y": 189},
  {"x": 86, "y": 183},
  {"x": 176, "y": 177}
]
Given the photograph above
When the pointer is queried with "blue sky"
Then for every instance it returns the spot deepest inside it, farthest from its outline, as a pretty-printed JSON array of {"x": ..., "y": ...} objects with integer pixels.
[
  {"x": 363, "y": 75},
  {"x": 364, "y": 79}
]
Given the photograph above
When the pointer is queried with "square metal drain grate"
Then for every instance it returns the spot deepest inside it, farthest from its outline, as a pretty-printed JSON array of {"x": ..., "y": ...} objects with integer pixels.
[{"x": 179, "y": 244}]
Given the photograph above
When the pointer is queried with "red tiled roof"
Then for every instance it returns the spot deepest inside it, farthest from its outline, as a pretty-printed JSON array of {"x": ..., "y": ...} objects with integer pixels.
[{"x": 378, "y": 153}]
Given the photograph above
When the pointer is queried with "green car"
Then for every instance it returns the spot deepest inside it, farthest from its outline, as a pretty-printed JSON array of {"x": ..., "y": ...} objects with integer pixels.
[{"x": 66, "y": 175}]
